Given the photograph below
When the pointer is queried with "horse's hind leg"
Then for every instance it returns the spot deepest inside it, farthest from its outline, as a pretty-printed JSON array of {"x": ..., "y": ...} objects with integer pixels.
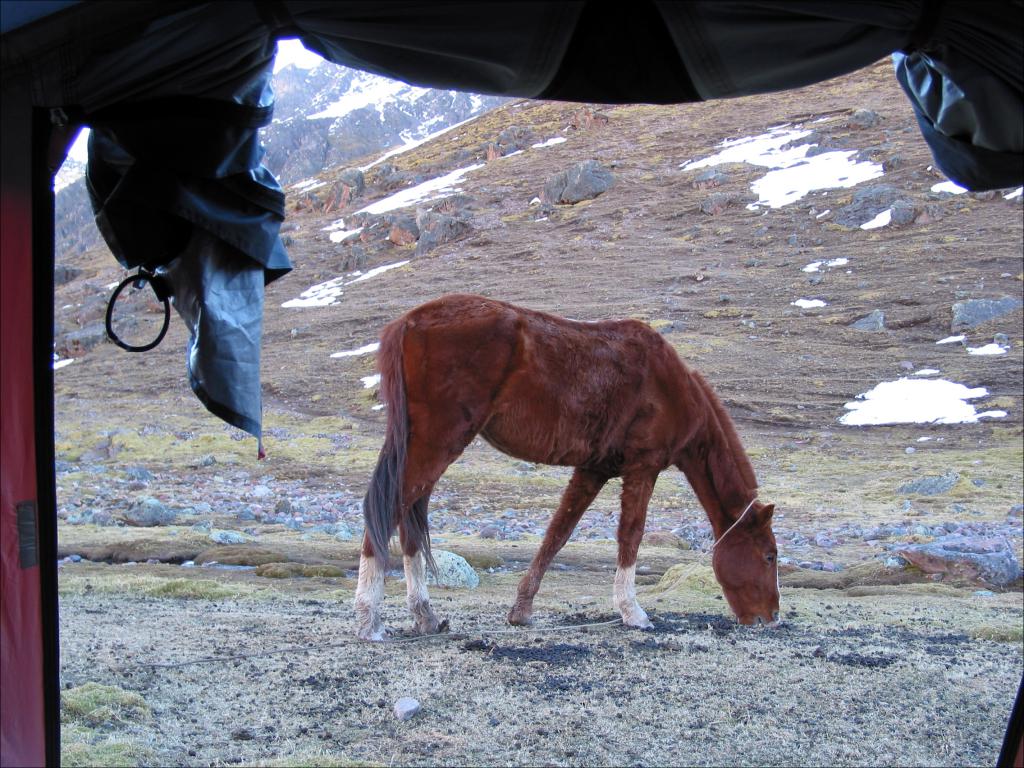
[
  {"x": 369, "y": 596},
  {"x": 636, "y": 493},
  {"x": 582, "y": 489},
  {"x": 417, "y": 598}
]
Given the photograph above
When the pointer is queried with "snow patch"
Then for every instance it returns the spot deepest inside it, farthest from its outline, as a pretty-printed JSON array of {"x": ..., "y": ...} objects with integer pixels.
[
  {"x": 421, "y": 193},
  {"x": 345, "y": 234},
  {"x": 379, "y": 270},
  {"x": 927, "y": 372},
  {"x": 988, "y": 349},
  {"x": 808, "y": 303},
  {"x": 369, "y": 382},
  {"x": 365, "y": 350},
  {"x": 326, "y": 293},
  {"x": 368, "y": 90},
  {"x": 549, "y": 143},
  {"x": 1016, "y": 193},
  {"x": 793, "y": 175},
  {"x": 951, "y": 340},
  {"x": 881, "y": 220},
  {"x": 815, "y": 266},
  {"x": 948, "y": 186},
  {"x": 920, "y": 401}
]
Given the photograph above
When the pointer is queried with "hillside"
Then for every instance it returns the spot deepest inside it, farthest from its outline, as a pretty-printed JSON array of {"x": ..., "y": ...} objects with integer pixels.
[{"x": 717, "y": 257}]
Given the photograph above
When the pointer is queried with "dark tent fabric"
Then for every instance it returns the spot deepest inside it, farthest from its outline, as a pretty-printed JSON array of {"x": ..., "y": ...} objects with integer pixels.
[{"x": 176, "y": 93}]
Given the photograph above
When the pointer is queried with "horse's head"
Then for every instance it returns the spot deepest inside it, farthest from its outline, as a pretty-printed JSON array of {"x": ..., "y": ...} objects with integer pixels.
[{"x": 745, "y": 564}]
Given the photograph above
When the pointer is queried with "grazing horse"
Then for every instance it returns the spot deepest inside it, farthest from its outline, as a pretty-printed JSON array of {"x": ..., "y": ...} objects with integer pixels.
[{"x": 608, "y": 398}]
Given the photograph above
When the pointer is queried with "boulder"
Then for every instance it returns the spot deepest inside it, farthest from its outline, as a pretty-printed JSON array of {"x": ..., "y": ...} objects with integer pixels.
[
  {"x": 147, "y": 511},
  {"x": 403, "y": 230},
  {"x": 931, "y": 485},
  {"x": 353, "y": 178},
  {"x": 967, "y": 314},
  {"x": 868, "y": 203},
  {"x": 712, "y": 177},
  {"x": 863, "y": 118},
  {"x": 228, "y": 537},
  {"x": 586, "y": 117},
  {"x": 514, "y": 138},
  {"x": 438, "y": 228},
  {"x": 582, "y": 181},
  {"x": 717, "y": 202},
  {"x": 453, "y": 571},
  {"x": 77, "y": 343},
  {"x": 872, "y": 323},
  {"x": 976, "y": 558}
]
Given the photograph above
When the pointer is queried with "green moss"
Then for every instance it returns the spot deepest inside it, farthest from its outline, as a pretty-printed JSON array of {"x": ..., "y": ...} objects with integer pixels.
[
  {"x": 1000, "y": 633},
  {"x": 294, "y": 570},
  {"x": 95, "y": 704},
  {"x": 191, "y": 589},
  {"x": 479, "y": 560},
  {"x": 110, "y": 753},
  {"x": 238, "y": 554},
  {"x": 688, "y": 577}
]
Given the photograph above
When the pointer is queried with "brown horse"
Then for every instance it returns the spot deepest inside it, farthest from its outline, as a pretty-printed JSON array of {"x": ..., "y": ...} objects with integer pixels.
[{"x": 608, "y": 398}]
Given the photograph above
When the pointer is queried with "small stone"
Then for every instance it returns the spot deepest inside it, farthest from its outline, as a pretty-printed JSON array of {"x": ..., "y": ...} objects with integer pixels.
[
  {"x": 863, "y": 118},
  {"x": 228, "y": 537},
  {"x": 818, "y": 652},
  {"x": 910, "y": 449},
  {"x": 242, "y": 734},
  {"x": 406, "y": 707},
  {"x": 490, "y": 532}
]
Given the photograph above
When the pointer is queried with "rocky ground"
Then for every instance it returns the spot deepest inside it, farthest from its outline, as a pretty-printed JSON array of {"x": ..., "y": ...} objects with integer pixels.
[{"x": 900, "y": 544}]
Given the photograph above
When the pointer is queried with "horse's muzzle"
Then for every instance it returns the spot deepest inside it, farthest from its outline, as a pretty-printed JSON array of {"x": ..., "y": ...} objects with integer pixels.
[{"x": 760, "y": 622}]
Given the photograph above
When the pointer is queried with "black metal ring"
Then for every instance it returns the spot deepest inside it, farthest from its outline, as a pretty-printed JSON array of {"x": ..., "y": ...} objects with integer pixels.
[{"x": 137, "y": 280}]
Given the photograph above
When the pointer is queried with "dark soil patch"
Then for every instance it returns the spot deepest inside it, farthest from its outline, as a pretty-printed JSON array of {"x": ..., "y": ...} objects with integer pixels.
[
  {"x": 862, "y": 660},
  {"x": 558, "y": 654}
]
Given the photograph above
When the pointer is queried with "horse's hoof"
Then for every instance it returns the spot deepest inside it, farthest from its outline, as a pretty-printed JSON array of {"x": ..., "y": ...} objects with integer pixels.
[
  {"x": 520, "y": 618},
  {"x": 434, "y": 627},
  {"x": 637, "y": 619},
  {"x": 371, "y": 635},
  {"x": 644, "y": 625}
]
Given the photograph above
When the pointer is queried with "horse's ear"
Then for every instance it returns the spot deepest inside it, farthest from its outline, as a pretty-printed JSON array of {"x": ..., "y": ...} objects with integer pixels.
[{"x": 764, "y": 514}]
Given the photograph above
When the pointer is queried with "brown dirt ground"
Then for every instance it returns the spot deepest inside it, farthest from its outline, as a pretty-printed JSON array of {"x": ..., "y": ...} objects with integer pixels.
[{"x": 865, "y": 671}]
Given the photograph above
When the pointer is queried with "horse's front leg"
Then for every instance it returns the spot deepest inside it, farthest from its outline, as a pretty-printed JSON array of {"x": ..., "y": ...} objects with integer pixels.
[
  {"x": 582, "y": 489},
  {"x": 369, "y": 595},
  {"x": 636, "y": 493}
]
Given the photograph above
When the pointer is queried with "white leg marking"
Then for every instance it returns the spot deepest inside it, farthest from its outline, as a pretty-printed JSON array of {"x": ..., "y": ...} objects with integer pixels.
[
  {"x": 417, "y": 598},
  {"x": 625, "y": 599},
  {"x": 369, "y": 596}
]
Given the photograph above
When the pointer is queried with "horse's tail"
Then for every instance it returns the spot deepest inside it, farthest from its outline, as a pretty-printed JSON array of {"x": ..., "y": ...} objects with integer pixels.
[{"x": 383, "y": 499}]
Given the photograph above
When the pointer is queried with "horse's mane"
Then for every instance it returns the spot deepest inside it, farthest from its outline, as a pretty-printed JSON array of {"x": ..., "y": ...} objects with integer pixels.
[{"x": 727, "y": 460}]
